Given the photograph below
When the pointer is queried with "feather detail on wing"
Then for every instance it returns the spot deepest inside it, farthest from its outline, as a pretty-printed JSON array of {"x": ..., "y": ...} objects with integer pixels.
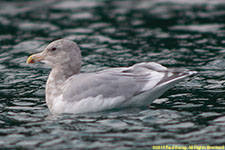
[{"x": 121, "y": 82}]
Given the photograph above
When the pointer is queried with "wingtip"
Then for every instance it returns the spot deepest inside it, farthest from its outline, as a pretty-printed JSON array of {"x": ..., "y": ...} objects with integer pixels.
[
  {"x": 189, "y": 73},
  {"x": 192, "y": 72}
]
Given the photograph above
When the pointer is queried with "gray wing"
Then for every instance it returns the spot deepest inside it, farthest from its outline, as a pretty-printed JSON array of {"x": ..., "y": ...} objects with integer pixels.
[{"x": 125, "y": 82}]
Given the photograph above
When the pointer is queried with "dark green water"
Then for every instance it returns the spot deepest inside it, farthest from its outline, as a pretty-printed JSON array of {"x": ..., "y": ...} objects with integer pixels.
[{"x": 176, "y": 33}]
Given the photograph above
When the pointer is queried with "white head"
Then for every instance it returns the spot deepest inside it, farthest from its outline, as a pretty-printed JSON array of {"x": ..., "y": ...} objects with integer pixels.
[{"x": 59, "y": 54}]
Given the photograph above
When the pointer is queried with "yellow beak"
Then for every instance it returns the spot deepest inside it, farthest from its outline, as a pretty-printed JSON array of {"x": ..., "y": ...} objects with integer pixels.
[{"x": 35, "y": 58}]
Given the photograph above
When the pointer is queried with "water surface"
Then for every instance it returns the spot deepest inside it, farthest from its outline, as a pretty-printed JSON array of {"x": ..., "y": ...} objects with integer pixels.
[{"x": 177, "y": 34}]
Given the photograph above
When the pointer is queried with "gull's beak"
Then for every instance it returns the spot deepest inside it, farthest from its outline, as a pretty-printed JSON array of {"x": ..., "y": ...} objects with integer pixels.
[{"x": 35, "y": 58}]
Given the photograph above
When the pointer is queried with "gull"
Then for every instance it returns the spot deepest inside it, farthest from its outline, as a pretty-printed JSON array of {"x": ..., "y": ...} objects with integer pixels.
[{"x": 69, "y": 91}]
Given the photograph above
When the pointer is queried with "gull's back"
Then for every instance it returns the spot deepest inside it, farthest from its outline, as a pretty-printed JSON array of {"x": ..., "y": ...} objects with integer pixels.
[{"x": 137, "y": 85}]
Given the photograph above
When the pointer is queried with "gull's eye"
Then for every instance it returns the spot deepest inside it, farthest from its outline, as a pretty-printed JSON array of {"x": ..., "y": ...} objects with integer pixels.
[{"x": 53, "y": 49}]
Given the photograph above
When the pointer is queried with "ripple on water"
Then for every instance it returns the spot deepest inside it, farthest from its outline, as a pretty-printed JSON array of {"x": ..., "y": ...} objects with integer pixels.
[
  {"x": 37, "y": 26},
  {"x": 200, "y": 28},
  {"x": 178, "y": 34},
  {"x": 76, "y": 4}
]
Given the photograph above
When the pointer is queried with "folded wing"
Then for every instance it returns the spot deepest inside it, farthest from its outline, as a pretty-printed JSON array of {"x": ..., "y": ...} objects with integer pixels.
[{"x": 125, "y": 82}]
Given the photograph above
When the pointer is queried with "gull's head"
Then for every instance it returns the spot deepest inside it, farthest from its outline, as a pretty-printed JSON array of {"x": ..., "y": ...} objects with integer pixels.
[{"x": 59, "y": 53}]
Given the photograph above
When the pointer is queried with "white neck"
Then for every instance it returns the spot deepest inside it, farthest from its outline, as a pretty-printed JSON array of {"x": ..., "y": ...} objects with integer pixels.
[{"x": 55, "y": 80}]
